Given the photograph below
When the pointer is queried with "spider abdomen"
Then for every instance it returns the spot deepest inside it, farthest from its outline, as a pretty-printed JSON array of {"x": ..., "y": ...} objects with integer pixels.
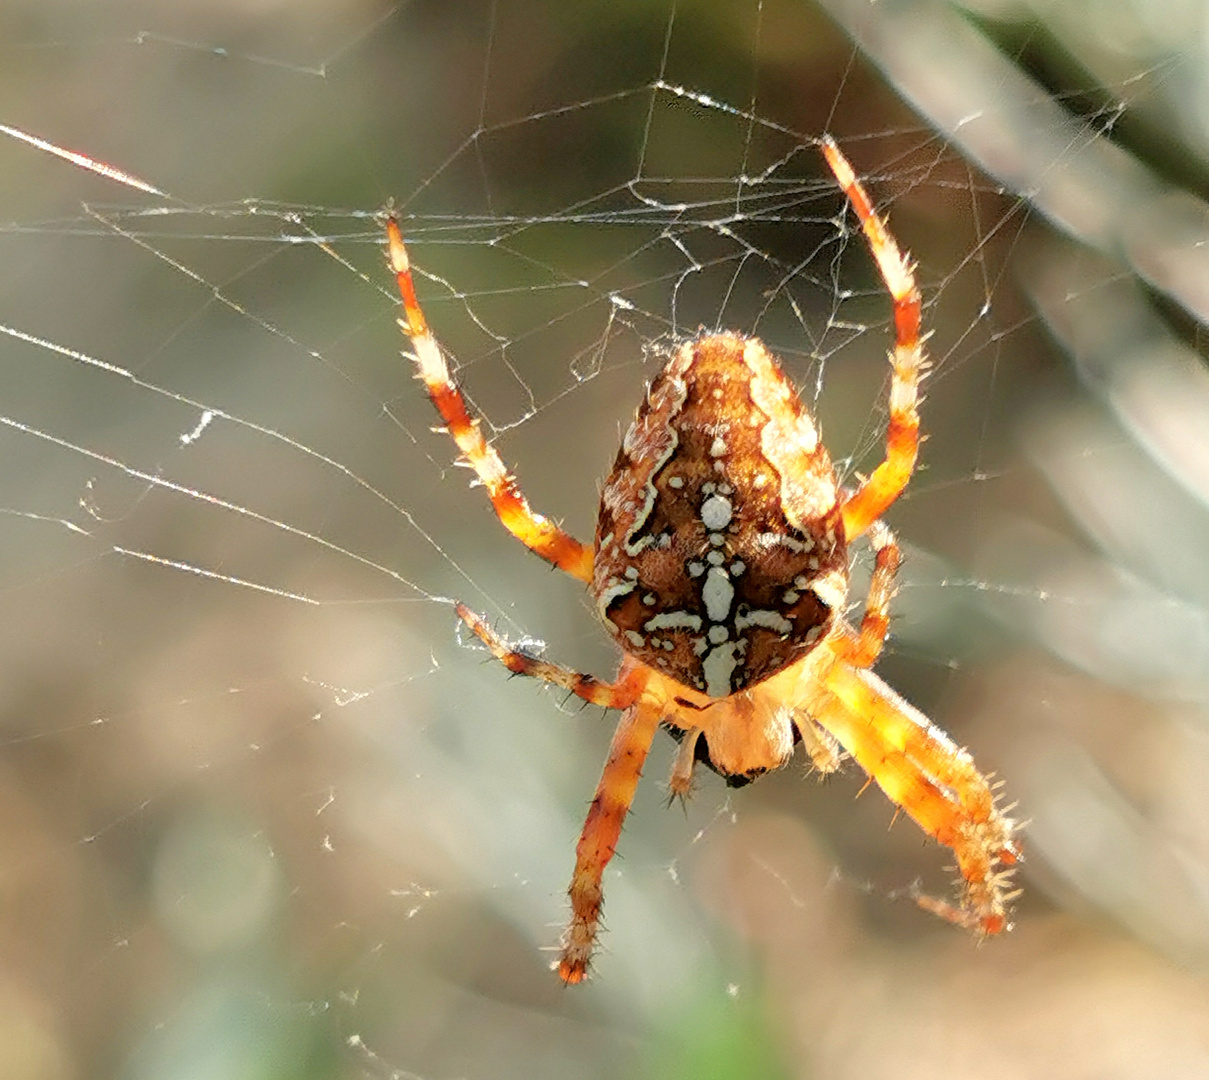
[{"x": 720, "y": 549}]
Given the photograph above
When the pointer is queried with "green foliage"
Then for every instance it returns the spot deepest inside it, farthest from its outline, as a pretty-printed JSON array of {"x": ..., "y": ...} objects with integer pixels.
[{"x": 719, "y": 1035}]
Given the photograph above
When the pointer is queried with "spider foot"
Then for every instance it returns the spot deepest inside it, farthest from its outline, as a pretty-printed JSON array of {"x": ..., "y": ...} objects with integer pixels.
[
  {"x": 987, "y": 857},
  {"x": 676, "y": 796},
  {"x": 580, "y": 940}
]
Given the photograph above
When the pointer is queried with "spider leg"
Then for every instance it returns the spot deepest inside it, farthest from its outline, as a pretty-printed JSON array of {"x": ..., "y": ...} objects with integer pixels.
[
  {"x": 627, "y": 754},
  {"x": 863, "y": 649},
  {"x": 870, "y": 500},
  {"x": 934, "y": 781},
  {"x": 536, "y": 532},
  {"x": 680, "y": 783},
  {"x": 825, "y": 752},
  {"x": 598, "y": 841},
  {"x": 617, "y": 695}
]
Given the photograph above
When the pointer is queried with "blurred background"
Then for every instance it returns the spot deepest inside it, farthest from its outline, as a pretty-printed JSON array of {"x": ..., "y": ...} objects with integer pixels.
[{"x": 263, "y": 811}]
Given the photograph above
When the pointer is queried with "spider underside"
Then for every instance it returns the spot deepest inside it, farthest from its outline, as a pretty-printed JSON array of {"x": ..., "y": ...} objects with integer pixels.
[{"x": 720, "y": 568}]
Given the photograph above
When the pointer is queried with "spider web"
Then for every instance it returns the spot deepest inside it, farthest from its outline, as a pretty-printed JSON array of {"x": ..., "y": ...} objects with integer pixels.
[{"x": 267, "y": 813}]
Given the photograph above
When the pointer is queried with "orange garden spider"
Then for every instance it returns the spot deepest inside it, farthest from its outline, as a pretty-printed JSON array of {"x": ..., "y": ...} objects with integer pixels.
[{"x": 720, "y": 567}]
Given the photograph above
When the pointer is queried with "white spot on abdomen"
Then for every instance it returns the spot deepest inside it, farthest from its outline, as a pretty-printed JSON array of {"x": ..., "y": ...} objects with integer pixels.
[
  {"x": 716, "y": 512},
  {"x": 674, "y": 620},
  {"x": 613, "y": 591},
  {"x": 770, "y": 620},
  {"x": 718, "y": 666},
  {"x": 831, "y": 589},
  {"x": 718, "y": 594}
]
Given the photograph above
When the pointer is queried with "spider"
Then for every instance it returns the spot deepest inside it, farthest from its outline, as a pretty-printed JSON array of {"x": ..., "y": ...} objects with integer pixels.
[{"x": 720, "y": 568}]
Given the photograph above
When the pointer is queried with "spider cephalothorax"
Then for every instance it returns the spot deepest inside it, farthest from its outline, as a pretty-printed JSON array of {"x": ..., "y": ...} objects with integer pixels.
[
  {"x": 721, "y": 569},
  {"x": 720, "y": 554}
]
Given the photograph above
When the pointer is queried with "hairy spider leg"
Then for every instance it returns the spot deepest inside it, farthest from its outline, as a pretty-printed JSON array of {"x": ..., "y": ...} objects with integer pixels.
[
  {"x": 616, "y": 695},
  {"x": 860, "y": 649},
  {"x": 680, "y": 782},
  {"x": 934, "y": 781},
  {"x": 907, "y": 361},
  {"x": 911, "y": 760},
  {"x": 536, "y": 532},
  {"x": 863, "y": 649},
  {"x": 614, "y": 794}
]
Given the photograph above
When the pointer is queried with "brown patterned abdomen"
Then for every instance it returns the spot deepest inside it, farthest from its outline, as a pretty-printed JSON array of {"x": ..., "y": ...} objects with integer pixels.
[{"x": 720, "y": 555}]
